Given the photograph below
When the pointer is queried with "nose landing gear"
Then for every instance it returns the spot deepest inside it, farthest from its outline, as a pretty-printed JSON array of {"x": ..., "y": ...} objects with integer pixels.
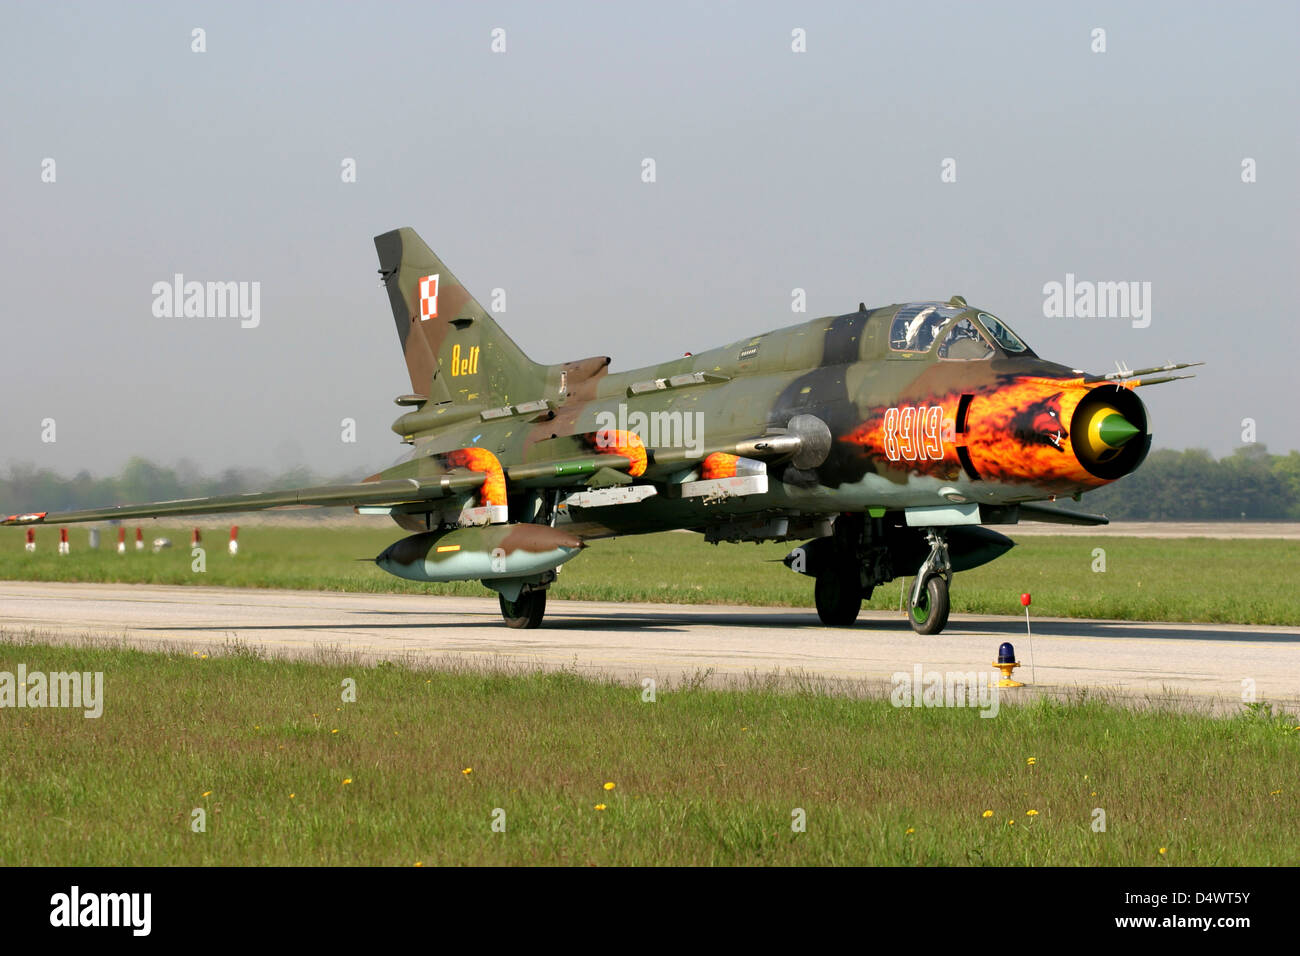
[{"x": 927, "y": 605}]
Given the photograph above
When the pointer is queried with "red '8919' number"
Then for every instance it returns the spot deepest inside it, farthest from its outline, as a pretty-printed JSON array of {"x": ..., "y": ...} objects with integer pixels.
[{"x": 914, "y": 433}]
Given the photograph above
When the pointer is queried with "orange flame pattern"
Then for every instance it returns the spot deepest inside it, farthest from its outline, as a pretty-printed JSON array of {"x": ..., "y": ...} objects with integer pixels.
[
  {"x": 612, "y": 441},
  {"x": 1020, "y": 433},
  {"x": 719, "y": 465},
  {"x": 493, "y": 489},
  {"x": 1017, "y": 432}
]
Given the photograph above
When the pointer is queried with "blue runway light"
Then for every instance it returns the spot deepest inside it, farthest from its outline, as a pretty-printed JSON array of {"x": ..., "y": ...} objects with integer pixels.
[{"x": 1007, "y": 663}]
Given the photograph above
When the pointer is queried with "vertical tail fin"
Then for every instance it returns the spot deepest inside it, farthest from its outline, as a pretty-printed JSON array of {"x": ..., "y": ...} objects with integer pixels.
[{"x": 454, "y": 350}]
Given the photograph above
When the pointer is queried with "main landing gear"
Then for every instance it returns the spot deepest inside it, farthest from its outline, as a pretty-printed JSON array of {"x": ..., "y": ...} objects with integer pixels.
[
  {"x": 526, "y": 611},
  {"x": 838, "y": 594},
  {"x": 836, "y": 564},
  {"x": 529, "y": 605}
]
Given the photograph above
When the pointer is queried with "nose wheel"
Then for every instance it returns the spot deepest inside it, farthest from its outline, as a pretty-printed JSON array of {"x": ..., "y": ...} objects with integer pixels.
[
  {"x": 927, "y": 605},
  {"x": 929, "y": 613}
]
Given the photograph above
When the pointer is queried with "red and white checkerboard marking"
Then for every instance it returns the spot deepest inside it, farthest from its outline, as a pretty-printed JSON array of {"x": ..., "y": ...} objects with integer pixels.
[{"x": 428, "y": 298}]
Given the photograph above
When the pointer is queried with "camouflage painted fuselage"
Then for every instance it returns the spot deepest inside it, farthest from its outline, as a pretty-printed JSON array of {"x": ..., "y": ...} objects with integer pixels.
[{"x": 993, "y": 430}]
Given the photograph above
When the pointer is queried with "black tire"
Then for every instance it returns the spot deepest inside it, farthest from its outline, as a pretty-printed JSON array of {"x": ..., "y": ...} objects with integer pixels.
[
  {"x": 930, "y": 615},
  {"x": 526, "y": 612},
  {"x": 839, "y": 598}
]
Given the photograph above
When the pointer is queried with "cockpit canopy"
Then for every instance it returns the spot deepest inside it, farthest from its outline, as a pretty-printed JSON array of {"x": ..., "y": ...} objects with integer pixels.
[{"x": 962, "y": 333}]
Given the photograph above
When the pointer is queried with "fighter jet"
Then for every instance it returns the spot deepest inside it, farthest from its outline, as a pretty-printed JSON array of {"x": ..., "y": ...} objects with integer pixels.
[{"x": 886, "y": 439}]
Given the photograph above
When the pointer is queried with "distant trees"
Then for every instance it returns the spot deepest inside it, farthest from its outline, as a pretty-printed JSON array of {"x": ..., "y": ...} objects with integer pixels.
[
  {"x": 1191, "y": 485},
  {"x": 25, "y": 488}
]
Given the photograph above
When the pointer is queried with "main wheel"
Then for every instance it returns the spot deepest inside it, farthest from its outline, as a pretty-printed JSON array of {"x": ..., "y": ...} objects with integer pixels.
[
  {"x": 839, "y": 598},
  {"x": 930, "y": 614},
  {"x": 526, "y": 611}
]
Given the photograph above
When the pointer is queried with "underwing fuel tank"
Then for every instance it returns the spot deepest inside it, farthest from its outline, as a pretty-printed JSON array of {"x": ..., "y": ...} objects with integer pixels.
[{"x": 483, "y": 553}]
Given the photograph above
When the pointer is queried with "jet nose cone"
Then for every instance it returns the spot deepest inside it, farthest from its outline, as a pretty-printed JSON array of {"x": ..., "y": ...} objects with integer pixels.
[
  {"x": 1114, "y": 429},
  {"x": 1105, "y": 432}
]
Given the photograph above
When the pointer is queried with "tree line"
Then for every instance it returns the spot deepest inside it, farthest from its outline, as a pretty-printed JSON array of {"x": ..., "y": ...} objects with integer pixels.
[
  {"x": 1250, "y": 484},
  {"x": 27, "y": 488}
]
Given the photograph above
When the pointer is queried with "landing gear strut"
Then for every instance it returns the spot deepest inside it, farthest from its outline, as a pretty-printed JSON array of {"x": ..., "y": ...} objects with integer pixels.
[
  {"x": 529, "y": 606},
  {"x": 927, "y": 605}
]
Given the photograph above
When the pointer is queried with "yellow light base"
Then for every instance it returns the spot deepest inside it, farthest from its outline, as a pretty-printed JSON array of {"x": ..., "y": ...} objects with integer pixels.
[{"x": 1006, "y": 670}]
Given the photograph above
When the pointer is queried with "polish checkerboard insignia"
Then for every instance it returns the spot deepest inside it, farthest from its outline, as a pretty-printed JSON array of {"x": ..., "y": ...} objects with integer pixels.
[{"x": 428, "y": 298}]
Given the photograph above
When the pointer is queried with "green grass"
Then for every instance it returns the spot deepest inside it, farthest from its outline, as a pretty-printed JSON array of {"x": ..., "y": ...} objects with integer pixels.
[
  {"x": 702, "y": 776},
  {"x": 1146, "y": 579}
]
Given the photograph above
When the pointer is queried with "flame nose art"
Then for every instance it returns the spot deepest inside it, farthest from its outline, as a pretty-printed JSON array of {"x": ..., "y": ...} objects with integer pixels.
[{"x": 1020, "y": 431}]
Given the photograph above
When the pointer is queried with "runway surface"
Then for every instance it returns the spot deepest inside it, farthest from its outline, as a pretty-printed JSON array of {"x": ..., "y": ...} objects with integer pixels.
[{"x": 634, "y": 641}]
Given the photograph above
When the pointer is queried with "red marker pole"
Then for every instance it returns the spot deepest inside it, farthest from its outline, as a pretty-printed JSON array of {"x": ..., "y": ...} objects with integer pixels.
[
  {"x": 63, "y": 541},
  {"x": 194, "y": 538},
  {"x": 31, "y": 540},
  {"x": 139, "y": 540},
  {"x": 1027, "y": 600},
  {"x": 234, "y": 539},
  {"x": 121, "y": 540}
]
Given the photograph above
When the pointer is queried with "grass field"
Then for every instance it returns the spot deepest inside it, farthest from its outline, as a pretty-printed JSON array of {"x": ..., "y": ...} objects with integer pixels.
[
  {"x": 1146, "y": 579},
  {"x": 415, "y": 770}
]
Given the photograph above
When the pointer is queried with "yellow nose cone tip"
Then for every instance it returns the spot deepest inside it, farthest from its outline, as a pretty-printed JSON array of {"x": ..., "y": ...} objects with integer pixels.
[{"x": 1114, "y": 429}]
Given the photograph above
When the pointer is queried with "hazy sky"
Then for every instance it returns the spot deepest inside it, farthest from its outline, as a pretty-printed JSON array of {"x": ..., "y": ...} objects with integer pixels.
[{"x": 775, "y": 170}]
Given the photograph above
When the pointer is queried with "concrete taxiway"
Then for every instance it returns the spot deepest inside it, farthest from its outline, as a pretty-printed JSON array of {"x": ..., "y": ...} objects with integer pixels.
[{"x": 633, "y": 641}]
